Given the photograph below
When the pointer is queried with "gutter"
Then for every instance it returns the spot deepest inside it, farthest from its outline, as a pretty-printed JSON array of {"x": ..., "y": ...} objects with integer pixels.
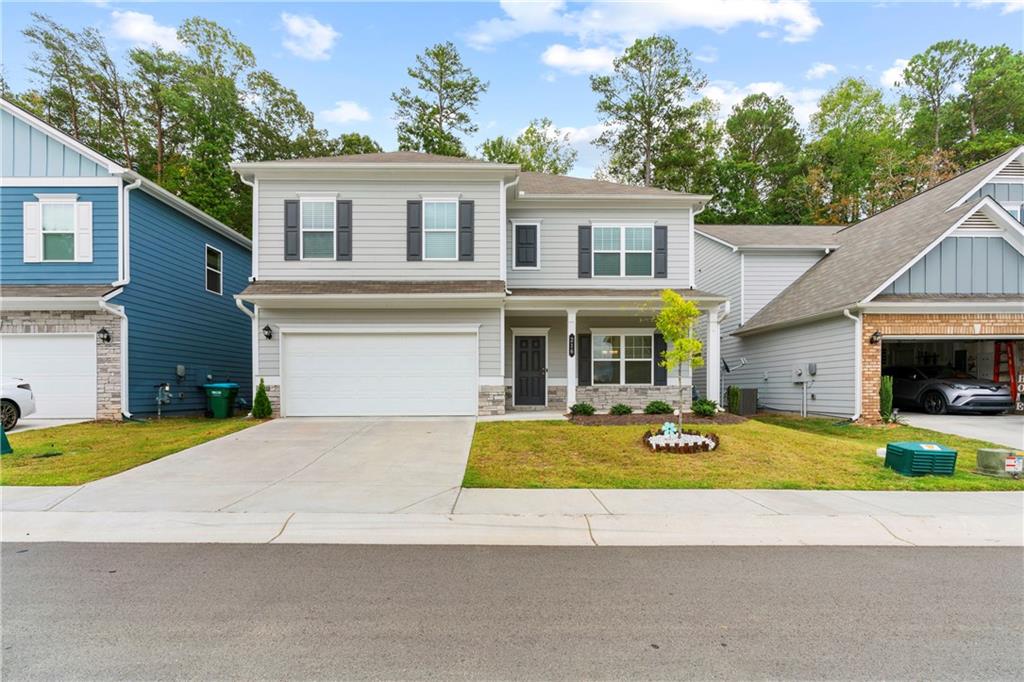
[
  {"x": 118, "y": 310},
  {"x": 857, "y": 350}
]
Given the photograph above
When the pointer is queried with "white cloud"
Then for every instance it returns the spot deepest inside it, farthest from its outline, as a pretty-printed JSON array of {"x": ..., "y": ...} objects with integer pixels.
[
  {"x": 345, "y": 111},
  {"x": 728, "y": 94},
  {"x": 819, "y": 70},
  {"x": 625, "y": 21},
  {"x": 308, "y": 38},
  {"x": 707, "y": 54},
  {"x": 143, "y": 31},
  {"x": 1007, "y": 6},
  {"x": 582, "y": 60},
  {"x": 894, "y": 74}
]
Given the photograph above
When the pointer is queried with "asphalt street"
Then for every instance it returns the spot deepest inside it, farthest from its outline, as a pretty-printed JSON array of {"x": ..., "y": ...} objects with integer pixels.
[{"x": 94, "y": 611}]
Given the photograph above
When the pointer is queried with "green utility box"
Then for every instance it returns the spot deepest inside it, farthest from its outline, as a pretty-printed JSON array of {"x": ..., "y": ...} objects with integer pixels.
[
  {"x": 920, "y": 459},
  {"x": 220, "y": 399}
]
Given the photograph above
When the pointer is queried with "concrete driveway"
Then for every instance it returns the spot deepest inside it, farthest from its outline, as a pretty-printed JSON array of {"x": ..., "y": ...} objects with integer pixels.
[
  {"x": 299, "y": 465},
  {"x": 1004, "y": 429}
]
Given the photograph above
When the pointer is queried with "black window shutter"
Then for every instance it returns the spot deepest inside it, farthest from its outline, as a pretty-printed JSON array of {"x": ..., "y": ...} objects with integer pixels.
[
  {"x": 583, "y": 359},
  {"x": 466, "y": 230},
  {"x": 291, "y": 229},
  {"x": 414, "y": 230},
  {"x": 585, "y": 259},
  {"x": 660, "y": 373},
  {"x": 526, "y": 246},
  {"x": 344, "y": 230},
  {"x": 661, "y": 251}
]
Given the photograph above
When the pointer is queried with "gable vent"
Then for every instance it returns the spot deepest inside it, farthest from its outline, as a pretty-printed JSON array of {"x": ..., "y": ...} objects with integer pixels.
[
  {"x": 1013, "y": 171},
  {"x": 978, "y": 221}
]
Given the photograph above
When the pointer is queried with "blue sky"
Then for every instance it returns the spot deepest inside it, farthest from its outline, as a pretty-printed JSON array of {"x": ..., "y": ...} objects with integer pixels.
[{"x": 344, "y": 59}]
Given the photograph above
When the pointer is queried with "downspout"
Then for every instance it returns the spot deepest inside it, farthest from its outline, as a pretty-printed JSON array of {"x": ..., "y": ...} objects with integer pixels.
[
  {"x": 857, "y": 350},
  {"x": 692, "y": 265},
  {"x": 118, "y": 310},
  {"x": 503, "y": 216},
  {"x": 722, "y": 314},
  {"x": 255, "y": 184},
  {"x": 125, "y": 272},
  {"x": 255, "y": 340}
]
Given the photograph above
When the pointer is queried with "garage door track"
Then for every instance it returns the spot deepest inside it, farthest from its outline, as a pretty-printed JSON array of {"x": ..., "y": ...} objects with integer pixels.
[{"x": 300, "y": 465}]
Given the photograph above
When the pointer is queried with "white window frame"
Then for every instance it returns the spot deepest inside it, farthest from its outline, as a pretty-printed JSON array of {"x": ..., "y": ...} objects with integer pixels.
[
  {"x": 207, "y": 269},
  {"x": 622, "y": 334},
  {"x": 44, "y": 200},
  {"x": 423, "y": 227},
  {"x": 333, "y": 201},
  {"x": 622, "y": 227},
  {"x": 515, "y": 226}
]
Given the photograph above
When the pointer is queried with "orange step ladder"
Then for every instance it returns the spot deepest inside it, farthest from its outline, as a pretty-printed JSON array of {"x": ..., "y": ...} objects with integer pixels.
[{"x": 1005, "y": 348}]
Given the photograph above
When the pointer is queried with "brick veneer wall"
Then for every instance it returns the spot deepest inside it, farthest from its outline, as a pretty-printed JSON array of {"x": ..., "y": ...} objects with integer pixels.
[
  {"x": 992, "y": 325},
  {"x": 108, "y": 355}
]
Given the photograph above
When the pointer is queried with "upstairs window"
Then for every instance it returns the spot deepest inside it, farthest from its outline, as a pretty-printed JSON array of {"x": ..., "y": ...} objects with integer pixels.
[
  {"x": 57, "y": 221},
  {"x": 214, "y": 270},
  {"x": 623, "y": 251},
  {"x": 440, "y": 230},
  {"x": 317, "y": 223}
]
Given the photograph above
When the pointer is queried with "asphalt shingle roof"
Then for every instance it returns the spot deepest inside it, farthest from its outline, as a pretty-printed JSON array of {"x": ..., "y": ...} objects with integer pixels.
[{"x": 746, "y": 236}]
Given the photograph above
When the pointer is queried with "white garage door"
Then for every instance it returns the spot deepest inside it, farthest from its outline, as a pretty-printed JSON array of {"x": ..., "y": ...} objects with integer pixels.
[
  {"x": 375, "y": 374},
  {"x": 61, "y": 369}
]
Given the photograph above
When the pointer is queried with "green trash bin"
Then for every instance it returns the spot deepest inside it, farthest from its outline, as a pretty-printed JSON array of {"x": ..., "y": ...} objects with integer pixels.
[
  {"x": 920, "y": 459},
  {"x": 220, "y": 399}
]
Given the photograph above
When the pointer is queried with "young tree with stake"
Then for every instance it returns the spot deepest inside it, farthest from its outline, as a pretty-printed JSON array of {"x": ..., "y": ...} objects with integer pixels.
[{"x": 675, "y": 321}]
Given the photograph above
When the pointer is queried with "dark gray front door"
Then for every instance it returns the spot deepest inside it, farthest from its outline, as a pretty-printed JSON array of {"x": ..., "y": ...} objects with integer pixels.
[{"x": 530, "y": 370}]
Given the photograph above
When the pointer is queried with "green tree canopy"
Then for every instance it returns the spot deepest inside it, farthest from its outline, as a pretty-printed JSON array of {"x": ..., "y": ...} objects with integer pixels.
[{"x": 541, "y": 147}]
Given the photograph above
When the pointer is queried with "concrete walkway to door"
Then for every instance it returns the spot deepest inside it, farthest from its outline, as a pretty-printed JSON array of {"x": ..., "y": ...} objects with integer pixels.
[{"x": 299, "y": 465}]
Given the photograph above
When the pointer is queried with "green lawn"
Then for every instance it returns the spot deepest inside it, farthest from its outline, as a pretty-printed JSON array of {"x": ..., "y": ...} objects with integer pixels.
[
  {"x": 79, "y": 453},
  {"x": 769, "y": 452}
]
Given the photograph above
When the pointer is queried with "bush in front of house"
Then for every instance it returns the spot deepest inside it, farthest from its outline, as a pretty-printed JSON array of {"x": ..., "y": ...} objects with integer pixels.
[
  {"x": 885, "y": 399},
  {"x": 261, "y": 408},
  {"x": 620, "y": 409},
  {"x": 732, "y": 396},
  {"x": 658, "y": 407},
  {"x": 583, "y": 409},
  {"x": 704, "y": 408}
]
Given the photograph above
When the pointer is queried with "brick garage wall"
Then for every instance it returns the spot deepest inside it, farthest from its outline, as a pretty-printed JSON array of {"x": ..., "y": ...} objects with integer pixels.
[
  {"x": 108, "y": 355},
  {"x": 637, "y": 397},
  {"x": 991, "y": 325}
]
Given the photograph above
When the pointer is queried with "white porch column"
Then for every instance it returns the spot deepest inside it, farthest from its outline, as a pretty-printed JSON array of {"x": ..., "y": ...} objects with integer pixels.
[
  {"x": 570, "y": 367},
  {"x": 713, "y": 355}
]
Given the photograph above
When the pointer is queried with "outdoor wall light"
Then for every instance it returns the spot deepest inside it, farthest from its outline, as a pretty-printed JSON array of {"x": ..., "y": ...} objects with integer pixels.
[
  {"x": 875, "y": 338},
  {"x": 103, "y": 335},
  {"x": 268, "y": 332}
]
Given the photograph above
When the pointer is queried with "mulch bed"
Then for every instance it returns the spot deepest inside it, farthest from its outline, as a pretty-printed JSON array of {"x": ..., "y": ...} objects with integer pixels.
[{"x": 653, "y": 419}]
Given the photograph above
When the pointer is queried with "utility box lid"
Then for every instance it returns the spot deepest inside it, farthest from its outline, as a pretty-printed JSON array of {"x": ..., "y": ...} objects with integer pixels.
[
  {"x": 225, "y": 384},
  {"x": 909, "y": 447}
]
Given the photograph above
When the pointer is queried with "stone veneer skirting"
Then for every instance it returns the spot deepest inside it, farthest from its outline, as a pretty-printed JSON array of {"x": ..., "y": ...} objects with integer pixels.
[
  {"x": 108, "y": 355},
  {"x": 637, "y": 397},
  {"x": 492, "y": 400}
]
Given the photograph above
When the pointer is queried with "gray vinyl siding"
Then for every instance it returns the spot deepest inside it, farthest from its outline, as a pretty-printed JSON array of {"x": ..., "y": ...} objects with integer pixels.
[
  {"x": 718, "y": 272},
  {"x": 765, "y": 275},
  {"x": 771, "y": 356},
  {"x": 379, "y": 230},
  {"x": 26, "y": 151},
  {"x": 559, "y": 246},
  {"x": 488, "y": 319},
  {"x": 965, "y": 265}
]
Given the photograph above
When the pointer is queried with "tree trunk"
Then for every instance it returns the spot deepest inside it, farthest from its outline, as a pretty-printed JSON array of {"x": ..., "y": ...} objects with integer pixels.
[{"x": 681, "y": 397}]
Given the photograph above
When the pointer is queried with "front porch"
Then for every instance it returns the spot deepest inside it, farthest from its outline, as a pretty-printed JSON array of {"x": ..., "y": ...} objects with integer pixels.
[{"x": 578, "y": 347}]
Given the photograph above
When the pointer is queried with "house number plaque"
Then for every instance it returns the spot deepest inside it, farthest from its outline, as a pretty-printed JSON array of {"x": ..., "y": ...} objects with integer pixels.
[{"x": 572, "y": 345}]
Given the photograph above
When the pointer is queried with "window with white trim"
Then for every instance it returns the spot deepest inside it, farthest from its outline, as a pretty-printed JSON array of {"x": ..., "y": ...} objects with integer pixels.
[
  {"x": 316, "y": 223},
  {"x": 623, "y": 251},
  {"x": 622, "y": 359},
  {"x": 214, "y": 270},
  {"x": 57, "y": 222},
  {"x": 440, "y": 229}
]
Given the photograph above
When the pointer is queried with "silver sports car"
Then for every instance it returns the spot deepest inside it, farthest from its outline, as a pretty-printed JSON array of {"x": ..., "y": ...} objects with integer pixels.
[{"x": 937, "y": 390}]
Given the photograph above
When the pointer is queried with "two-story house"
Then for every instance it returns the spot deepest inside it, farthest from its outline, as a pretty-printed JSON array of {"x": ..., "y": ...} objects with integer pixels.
[
  {"x": 110, "y": 285},
  {"x": 412, "y": 284}
]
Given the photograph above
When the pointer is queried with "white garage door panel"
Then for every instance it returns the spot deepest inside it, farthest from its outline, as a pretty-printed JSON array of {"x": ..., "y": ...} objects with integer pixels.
[
  {"x": 61, "y": 369},
  {"x": 331, "y": 374}
]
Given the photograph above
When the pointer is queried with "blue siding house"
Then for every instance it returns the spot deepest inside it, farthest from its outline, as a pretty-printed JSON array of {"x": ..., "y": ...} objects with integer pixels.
[{"x": 110, "y": 286}]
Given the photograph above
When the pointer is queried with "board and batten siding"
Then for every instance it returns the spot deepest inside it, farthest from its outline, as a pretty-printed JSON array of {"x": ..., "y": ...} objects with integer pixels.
[
  {"x": 488, "y": 319},
  {"x": 103, "y": 267},
  {"x": 27, "y": 152},
  {"x": 559, "y": 245},
  {"x": 965, "y": 265},
  {"x": 172, "y": 319},
  {"x": 718, "y": 272},
  {"x": 766, "y": 275},
  {"x": 379, "y": 230}
]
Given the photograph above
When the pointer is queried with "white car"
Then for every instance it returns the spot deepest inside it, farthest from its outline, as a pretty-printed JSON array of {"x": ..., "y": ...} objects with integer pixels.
[{"x": 16, "y": 401}]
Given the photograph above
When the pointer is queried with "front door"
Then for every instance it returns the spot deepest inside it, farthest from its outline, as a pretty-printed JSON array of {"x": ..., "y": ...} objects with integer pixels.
[{"x": 530, "y": 370}]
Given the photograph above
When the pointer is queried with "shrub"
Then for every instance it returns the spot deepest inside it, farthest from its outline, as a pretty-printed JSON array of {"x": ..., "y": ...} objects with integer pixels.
[
  {"x": 732, "y": 396},
  {"x": 658, "y": 407},
  {"x": 620, "y": 409},
  {"x": 261, "y": 408},
  {"x": 585, "y": 409},
  {"x": 885, "y": 399},
  {"x": 704, "y": 408}
]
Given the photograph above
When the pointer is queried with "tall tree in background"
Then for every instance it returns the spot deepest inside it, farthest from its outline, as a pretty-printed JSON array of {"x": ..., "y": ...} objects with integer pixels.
[
  {"x": 431, "y": 119},
  {"x": 58, "y": 65},
  {"x": 160, "y": 95},
  {"x": 541, "y": 147},
  {"x": 113, "y": 96},
  {"x": 991, "y": 104},
  {"x": 642, "y": 102},
  {"x": 929, "y": 79}
]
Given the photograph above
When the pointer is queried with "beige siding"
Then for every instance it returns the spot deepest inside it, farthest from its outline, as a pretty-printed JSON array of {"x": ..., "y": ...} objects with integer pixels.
[
  {"x": 559, "y": 245},
  {"x": 765, "y": 275},
  {"x": 718, "y": 272},
  {"x": 488, "y": 319},
  {"x": 378, "y": 230}
]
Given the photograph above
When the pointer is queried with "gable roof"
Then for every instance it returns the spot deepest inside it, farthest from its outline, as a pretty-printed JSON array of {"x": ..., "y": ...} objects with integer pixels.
[
  {"x": 534, "y": 184},
  {"x": 773, "y": 236},
  {"x": 873, "y": 251}
]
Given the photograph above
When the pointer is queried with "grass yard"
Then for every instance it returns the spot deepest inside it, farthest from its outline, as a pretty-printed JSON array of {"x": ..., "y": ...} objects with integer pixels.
[
  {"x": 772, "y": 451},
  {"x": 79, "y": 453}
]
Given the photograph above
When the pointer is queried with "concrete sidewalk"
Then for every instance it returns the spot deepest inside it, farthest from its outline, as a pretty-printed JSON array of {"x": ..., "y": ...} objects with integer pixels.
[{"x": 560, "y": 517}]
